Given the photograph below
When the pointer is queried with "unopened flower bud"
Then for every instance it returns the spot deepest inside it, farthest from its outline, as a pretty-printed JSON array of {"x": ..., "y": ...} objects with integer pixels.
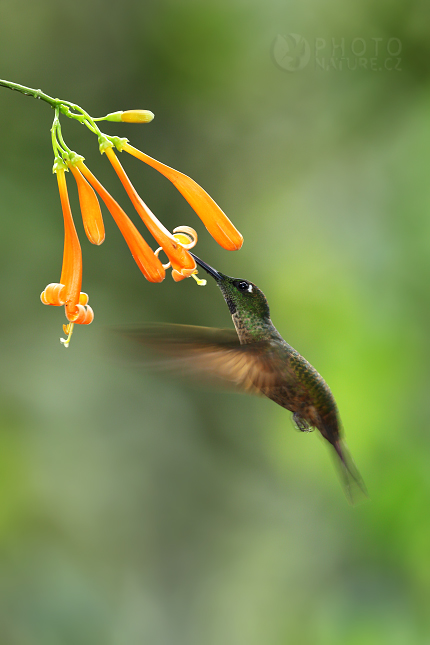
[
  {"x": 137, "y": 116},
  {"x": 130, "y": 116}
]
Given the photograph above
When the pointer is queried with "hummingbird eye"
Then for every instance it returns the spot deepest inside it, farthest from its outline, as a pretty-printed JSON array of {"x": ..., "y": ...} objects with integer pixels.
[{"x": 242, "y": 285}]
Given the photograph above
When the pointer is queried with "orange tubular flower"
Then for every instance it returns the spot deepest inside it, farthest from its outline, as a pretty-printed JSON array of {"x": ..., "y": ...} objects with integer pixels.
[
  {"x": 68, "y": 291},
  {"x": 182, "y": 262},
  {"x": 142, "y": 253},
  {"x": 215, "y": 220},
  {"x": 90, "y": 209}
]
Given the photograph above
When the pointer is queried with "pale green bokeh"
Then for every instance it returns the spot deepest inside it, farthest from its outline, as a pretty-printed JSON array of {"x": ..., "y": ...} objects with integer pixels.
[{"x": 135, "y": 509}]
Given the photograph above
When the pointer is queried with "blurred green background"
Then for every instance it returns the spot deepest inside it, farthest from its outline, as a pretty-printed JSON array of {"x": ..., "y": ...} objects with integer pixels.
[{"x": 138, "y": 510}]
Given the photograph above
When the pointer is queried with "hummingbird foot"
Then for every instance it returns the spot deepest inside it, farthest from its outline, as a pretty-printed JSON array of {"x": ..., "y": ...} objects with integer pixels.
[{"x": 301, "y": 423}]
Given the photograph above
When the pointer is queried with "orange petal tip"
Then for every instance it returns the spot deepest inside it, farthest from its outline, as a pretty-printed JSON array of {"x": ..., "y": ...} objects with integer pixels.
[
  {"x": 52, "y": 295},
  {"x": 178, "y": 276}
]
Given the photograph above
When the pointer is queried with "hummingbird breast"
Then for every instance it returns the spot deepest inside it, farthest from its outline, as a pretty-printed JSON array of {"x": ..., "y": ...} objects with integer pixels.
[
  {"x": 298, "y": 386},
  {"x": 304, "y": 392}
]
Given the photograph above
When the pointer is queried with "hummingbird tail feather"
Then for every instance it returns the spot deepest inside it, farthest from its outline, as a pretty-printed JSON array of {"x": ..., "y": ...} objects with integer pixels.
[{"x": 352, "y": 479}]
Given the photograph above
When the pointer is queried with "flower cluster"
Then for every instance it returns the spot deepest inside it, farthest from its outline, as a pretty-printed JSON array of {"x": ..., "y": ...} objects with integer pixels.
[{"x": 175, "y": 245}]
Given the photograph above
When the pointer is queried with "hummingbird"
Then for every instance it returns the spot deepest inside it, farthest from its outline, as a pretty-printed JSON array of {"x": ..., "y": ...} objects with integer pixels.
[{"x": 255, "y": 357}]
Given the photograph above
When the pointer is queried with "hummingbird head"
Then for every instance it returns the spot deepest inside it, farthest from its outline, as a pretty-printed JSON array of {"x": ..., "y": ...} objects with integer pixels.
[{"x": 243, "y": 298}]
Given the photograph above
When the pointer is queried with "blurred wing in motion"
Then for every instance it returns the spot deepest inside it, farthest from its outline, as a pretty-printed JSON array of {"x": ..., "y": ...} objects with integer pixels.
[{"x": 205, "y": 352}]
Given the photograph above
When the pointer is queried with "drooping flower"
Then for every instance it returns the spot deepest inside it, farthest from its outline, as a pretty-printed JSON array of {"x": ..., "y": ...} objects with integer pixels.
[
  {"x": 67, "y": 292},
  {"x": 90, "y": 208}
]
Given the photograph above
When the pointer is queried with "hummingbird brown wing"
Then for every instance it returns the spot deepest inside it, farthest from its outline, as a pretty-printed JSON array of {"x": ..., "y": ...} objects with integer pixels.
[{"x": 209, "y": 353}]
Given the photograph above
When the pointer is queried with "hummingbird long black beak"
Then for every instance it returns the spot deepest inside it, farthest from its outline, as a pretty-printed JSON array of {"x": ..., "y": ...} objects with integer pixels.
[{"x": 207, "y": 268}]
